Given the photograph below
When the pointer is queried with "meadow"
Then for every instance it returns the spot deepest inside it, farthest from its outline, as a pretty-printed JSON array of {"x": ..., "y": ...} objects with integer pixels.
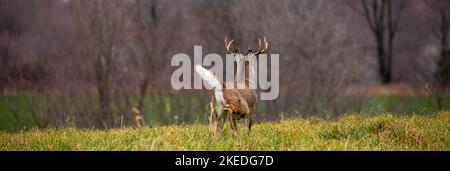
[
  {"x": 24, "y": 111},
  {"x": 355, "y": 131}
]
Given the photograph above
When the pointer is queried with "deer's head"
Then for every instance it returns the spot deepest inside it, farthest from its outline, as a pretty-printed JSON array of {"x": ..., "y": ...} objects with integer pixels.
[
  {"x": 245, "y": 70},
  {"x": 250, "y": 55}
]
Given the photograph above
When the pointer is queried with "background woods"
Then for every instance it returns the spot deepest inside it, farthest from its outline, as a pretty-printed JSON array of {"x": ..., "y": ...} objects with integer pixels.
[{"x": 86, "y": 63}]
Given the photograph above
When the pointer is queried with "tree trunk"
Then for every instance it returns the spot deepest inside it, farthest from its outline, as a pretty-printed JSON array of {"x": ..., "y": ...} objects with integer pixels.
[
  {"x": 142, "y": 92},
  {"x": 104, "y": 99},
  {"x": 383, "y": 67}
]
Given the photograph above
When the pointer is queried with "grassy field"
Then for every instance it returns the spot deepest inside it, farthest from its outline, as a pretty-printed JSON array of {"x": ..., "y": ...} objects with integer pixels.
[
  {"x": 16, "y": 110},
  {"x": 351, "y": 132}
]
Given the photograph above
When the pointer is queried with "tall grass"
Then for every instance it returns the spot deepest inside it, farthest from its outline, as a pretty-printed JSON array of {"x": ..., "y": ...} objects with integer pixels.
[
  {"x": 355, "y": 131},
  {"x": 33, "y": 110}
]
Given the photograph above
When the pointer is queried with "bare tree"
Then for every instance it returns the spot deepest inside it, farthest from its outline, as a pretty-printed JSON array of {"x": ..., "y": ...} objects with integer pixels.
[
  {"x": 383, "y": 18},
  {"x": 13, "y": 25},
  {"x": 440, "y": 28},
  {"x": 146, "y": 40},
  {"x": 100, "y": 26},
  {"x": 152, "y": 38}
]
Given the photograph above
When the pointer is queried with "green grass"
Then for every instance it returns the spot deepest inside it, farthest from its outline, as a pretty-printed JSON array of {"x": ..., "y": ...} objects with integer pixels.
[
  {"x": 404, "y": 104},
  {"x": 16, "y": 111},
  {"x": 25, "y": 110},
  {"x": 351, "y": 132}
]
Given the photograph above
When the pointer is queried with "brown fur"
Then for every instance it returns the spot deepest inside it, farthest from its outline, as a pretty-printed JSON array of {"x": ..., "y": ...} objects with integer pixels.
[
  {"x": 236, "y": 108},
  {"x": 251, "y": 98},
  {"x": 248, "y": 94}
]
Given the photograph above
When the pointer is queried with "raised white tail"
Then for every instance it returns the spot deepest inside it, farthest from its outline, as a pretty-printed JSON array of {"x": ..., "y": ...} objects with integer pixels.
[
  {"x": 214, "y": 82},
  {"x": 209, "y": 77}
]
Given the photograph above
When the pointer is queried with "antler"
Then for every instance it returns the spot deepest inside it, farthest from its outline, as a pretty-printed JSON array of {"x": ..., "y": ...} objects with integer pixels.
[
  {"x": 228, "y": 45},
  {"x": 262, "y": 46}
]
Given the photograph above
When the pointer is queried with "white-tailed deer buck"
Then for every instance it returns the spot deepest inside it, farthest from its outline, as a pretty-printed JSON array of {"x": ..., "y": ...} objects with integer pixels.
[
  {"x": 244, "y": 72},
  {"x": 238, "y": 99}
]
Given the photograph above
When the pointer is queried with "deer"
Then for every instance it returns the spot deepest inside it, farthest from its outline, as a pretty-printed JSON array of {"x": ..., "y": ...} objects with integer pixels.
[
  {"x": 224, "y": 100},
  {"x": 244, "y": 72},
  {"x": 237, "y": 103}
]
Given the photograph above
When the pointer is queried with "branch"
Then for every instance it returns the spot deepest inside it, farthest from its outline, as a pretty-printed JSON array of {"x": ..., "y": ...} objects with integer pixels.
[
  {"x": 355, "y": 8},
  {"x": 368, "y": 15}
]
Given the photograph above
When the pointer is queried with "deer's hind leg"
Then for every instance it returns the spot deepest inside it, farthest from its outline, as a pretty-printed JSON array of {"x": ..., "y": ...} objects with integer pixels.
[
  {"x": 235, "y": 126},
  {"x": 231, "y": 121},
  {"x": 250, "y": 119},
  {"x": 213, "y": 118},
  {"x": 250, "y": 123},
  {"x": 221, "y": 119}
]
